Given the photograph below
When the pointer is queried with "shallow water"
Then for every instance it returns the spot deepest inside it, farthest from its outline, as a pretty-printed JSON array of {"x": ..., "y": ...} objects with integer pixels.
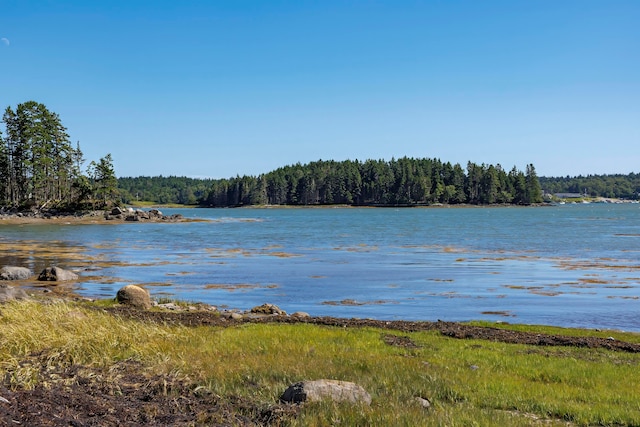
[{"x": 570, "y": 265}]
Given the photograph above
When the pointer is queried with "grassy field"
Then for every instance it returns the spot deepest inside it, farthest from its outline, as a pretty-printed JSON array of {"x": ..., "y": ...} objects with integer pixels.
[{"x": 469, "y": 382}]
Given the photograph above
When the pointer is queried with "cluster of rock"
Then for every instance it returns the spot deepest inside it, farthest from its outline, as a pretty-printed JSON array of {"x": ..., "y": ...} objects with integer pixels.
[
  {"x": 49, "y": 274},
  {"x": 130, "y": 214},
  {"x": 117, "y": 213},
  {"x": 12, "y": 213},
  {"x": 11, "y": 273}
]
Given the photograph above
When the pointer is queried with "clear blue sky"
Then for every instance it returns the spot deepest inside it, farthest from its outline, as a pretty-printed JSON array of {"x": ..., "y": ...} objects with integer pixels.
[{"x": 219, "y": 88}]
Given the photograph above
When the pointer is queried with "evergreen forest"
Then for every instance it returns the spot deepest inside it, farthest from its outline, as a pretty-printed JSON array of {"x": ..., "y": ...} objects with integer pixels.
[
  {"x": 41, "y": 169},
  {"x": 612, "y": 186},
  {"x": 398, "y": 182},
  {"x": 401, "y": 182},
  {"x": 387, "y": 183}
]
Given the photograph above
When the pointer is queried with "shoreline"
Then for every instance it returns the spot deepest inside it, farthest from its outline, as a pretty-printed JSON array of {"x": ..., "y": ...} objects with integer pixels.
[{"x": 104, "y": 217}]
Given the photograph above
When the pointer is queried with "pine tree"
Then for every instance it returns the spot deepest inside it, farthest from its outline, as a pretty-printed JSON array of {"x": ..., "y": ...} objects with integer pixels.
[
  {"x": 533, "y": 192},
  {"x": 105, "y": 183}
]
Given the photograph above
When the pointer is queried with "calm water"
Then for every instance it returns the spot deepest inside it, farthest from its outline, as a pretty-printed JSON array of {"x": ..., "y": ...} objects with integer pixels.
[{"x": 571, "y": 265}]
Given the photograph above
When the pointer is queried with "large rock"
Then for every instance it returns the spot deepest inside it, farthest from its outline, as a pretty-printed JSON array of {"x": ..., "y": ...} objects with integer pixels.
[
  {"x": 10, "y": 293},
  {"x": 134, "y": 296},
  {"x": 314, "y": 391},
  {"x": 57, "y": 274},
  {"x": 117, "y": 211},
  {"x": 14, "y": 273},
  {"x": 267, "y": 308}
]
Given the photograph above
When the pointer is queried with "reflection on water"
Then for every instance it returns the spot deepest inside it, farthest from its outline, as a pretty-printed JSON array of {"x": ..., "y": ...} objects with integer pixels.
[{"x": 566, "y": 265}]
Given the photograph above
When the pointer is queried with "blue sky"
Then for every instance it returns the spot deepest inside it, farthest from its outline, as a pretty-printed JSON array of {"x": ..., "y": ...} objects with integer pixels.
[{"x": 224, "y": 88}]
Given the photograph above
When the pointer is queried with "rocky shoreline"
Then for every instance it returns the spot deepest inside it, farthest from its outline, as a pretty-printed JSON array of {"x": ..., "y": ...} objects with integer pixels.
[{"x": 117, "y": 214}]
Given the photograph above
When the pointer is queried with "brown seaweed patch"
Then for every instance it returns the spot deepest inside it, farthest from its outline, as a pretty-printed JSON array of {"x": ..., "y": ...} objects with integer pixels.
[
  {"x": 352, "y": 302},
  {"x": 362, "y": 247},
  {"x": 461, "y": 259},
  {"x": 623, "y": 297},
  {"x": 282, "y": 254},
  {"x": 451, "y": 249},
  {"x": 231, "y": 287},
  {"x": 499, "y": 313},
  {"x": 589, "y": 265},
  {"x": 318, "y": 277},
  {"x": 180, "y": 273},
  {"x": 228, "y": 254},
  {"x": 439, "y": 280},
  {"x": 157, "y": 284},
  {"x": 272, "y": 247},
  {"x": 508, "y": 258},
  {"x": 593, "y": 281},
  {"x": 103, "y": 279},
  {"x": 546, "y": 293},
  {"x": 112, "y": 245},
  {"x": 450, "y": 294},
  {"x": 34, "y": 249}
]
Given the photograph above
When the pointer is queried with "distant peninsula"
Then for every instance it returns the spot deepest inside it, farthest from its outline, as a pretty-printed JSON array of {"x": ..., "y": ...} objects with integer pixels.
[{"x": 398, "y": 182}]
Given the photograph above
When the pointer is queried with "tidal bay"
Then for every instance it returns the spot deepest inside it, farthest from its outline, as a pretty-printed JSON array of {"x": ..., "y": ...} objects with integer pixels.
[{"x": 570, "y": 265}]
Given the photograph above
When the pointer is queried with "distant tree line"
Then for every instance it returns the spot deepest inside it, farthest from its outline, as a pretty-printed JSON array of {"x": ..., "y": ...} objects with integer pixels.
[
  {"x": 164, "y": 190},
  {"x": 398, "y": 182},
  {"x": 404, "y": 181},
  {"x": 611, "y": 186},
  {"x": 40, "y": 168}
]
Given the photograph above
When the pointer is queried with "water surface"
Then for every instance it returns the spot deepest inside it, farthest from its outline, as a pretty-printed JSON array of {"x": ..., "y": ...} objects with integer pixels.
[{"x": 571, "y": 265}]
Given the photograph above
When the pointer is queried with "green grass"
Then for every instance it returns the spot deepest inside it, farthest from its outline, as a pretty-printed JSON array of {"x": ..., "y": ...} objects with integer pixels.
[{"x": 469, "y": 382}]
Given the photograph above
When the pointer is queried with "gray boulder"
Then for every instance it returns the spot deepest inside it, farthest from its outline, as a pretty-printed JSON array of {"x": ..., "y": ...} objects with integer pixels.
[
  {"x": 425, "y": 403},
  {"x": 57, "y": 274},
  {"x": 314, "y": 391},
  {"x": 10, "y": 293},
  {"x": 14, "y": 273},
  {"x": 134, "y": 296}
]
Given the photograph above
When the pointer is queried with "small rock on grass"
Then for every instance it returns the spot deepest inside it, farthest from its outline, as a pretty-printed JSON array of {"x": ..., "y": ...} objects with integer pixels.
[
  {"x": 425, "y": 403},
  {"x": 337, "y": 391}
]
